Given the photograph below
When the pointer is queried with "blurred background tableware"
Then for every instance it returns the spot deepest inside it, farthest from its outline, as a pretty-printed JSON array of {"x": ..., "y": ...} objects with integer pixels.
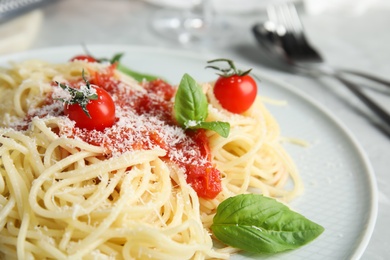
[
  {"x": 284, "y": 40},
  {"x": 204, "y": 22},
  {"x": 186, "y": 23}
]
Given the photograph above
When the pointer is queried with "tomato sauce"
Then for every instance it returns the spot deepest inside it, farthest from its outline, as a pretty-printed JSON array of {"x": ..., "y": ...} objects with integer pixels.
[{"x": 145, "y": 121}]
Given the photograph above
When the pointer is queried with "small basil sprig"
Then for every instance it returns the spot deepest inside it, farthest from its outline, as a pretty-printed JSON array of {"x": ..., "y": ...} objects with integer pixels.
[
  {"x": 80, "y": 96},
  {"x": 259, "y": 224},
  {"x": 191, "y": 108},
  {"x": 134, "y": 74}
]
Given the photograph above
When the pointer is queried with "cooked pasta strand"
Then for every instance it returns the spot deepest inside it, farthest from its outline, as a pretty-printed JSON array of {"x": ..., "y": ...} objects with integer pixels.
[{"x": 65, "y": 198}]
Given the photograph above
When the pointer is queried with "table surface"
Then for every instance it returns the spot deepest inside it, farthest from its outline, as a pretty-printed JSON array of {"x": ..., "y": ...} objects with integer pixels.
[{"x": 352, "y": 41}]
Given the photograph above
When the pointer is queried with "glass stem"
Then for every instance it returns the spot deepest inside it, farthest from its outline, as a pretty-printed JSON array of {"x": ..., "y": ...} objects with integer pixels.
[{"x": 205, "y": 10}]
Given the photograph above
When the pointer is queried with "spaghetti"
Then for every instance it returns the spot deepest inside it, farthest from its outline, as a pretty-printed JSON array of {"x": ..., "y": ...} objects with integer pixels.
[{"x": 125, "y": 192}]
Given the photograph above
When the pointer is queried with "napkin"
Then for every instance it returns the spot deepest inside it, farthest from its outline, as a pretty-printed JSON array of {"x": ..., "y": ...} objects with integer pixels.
[{"x": 19, "y": 33}]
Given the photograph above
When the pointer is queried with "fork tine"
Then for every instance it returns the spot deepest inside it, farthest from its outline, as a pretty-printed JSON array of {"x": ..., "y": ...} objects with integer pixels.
[
  {"x": 286, "y": 15},
  {"x": 290, "y": 29},
  {"x": 271, "y": 13},
  {"x": 276, "y": 19},
  {"x": 295, "y": 20}
]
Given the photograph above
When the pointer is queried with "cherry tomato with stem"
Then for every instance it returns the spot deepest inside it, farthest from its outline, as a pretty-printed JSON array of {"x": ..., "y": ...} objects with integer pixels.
[
  {"x": 101, "y": 112},
  {"x": 235, "y": 90},
  {"x": 91, "y": 107}
]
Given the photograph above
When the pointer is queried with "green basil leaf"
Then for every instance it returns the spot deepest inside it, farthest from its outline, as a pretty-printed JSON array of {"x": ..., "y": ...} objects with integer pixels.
[
  {"x": 116, "y": 58},
  {"x": 222, "y": 128},
  {"x": 136, "y": 75},
  {"x": 190, "y": 102},
  {"x": 260, "y": 224}
]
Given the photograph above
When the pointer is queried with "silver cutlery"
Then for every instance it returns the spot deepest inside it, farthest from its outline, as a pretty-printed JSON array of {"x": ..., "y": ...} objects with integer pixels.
[{"x": 283, "y": 37}]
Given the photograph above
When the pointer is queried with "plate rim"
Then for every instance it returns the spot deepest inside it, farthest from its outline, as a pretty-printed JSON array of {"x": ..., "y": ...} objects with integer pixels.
[{"x": 368, "y": 168}]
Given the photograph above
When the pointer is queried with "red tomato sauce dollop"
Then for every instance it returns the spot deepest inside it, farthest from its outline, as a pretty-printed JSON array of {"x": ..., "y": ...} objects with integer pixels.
[{"x": 192, "y": 154}]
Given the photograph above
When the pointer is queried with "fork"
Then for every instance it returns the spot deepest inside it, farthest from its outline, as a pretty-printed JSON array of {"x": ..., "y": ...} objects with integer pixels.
[
  {"x": 283, "y": 36},
  {"x": 290, "y": 29}
]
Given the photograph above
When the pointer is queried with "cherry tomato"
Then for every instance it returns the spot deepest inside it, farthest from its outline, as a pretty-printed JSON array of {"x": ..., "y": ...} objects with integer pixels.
[
  {"x": 101, "y": 111},
  {"x": 86, "y": 58},
  {"x": 235, "y": 93}
]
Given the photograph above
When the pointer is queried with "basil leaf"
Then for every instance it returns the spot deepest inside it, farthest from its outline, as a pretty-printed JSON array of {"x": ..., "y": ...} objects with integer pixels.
[
  {"x": 259, "y": 224},
  {"x": 136, "y": 75},
  {"x": 190, "y": 102},
  {"x": 191, "y": 108},
  {"x": 116, "y": 58},
  {"x": 222, "y": 128}
]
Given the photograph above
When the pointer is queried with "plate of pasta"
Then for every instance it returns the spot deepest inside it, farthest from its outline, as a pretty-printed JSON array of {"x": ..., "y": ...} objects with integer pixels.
[{"x": 130, "y": 153}]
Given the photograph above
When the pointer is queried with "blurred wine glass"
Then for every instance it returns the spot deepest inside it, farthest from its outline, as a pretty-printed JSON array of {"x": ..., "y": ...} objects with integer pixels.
[{"x": 191, "y": 24}]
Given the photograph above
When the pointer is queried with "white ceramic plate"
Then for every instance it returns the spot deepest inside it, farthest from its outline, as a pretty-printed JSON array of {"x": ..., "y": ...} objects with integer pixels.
[{"x": 340, "y": 192}]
